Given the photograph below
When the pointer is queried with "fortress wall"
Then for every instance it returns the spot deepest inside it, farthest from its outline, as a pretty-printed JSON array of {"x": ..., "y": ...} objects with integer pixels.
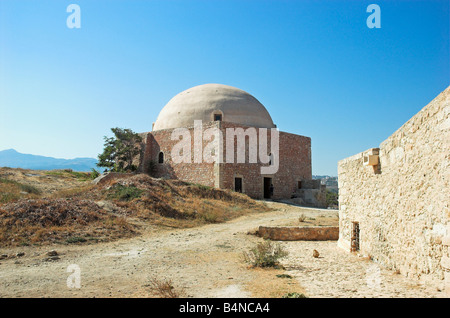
[{"x": 402, "y": 203}]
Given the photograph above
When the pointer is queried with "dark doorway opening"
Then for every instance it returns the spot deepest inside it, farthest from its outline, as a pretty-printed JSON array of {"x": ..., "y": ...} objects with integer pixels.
[
  {"x": 355, "y": 237},
  {"x": 267, "y": 188},
  {"x": 238, "y": 185}
]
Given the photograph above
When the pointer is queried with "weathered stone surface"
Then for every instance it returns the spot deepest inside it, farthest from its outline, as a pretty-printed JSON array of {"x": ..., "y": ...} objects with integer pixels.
[
  {"x": 402, "y": 204},
  {"x": 320, "y": 233},
  {"x": 445, "y": 262},
  {"x": 316, "y": 254}
]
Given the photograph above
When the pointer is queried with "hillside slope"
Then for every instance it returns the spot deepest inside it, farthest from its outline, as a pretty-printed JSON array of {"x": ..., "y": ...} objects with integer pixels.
[{"x": 124, "y": 207}]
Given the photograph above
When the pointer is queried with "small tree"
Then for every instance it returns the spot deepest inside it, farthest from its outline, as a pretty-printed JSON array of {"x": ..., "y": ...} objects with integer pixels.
[
  {"x": 332, "y": 199},
  {"x": 120, "y": 150}
]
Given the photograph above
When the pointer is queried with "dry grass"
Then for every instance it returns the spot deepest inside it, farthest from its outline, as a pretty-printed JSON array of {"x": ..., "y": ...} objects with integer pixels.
[
  {"x": 73, "y": 192},
  {"x": 83, "y": 176},
  {"x": 164, "y": 288},
  {"x": 302, "y": 218},
  {"x": 58, "y": 221},
  {"x": 44, "y": 182},
  {"x": 178, "y": 204},
  {"x": 70, "y": 214},
  {"x": 11, "y": 190}
]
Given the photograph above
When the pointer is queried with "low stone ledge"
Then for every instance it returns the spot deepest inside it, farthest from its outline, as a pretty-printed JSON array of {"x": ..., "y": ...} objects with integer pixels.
[{"x": 319, "y": 233}]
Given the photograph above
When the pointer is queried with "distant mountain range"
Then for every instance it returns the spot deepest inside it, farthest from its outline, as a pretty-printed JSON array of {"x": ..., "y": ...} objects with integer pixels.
[{"x": 13, "y": 159}]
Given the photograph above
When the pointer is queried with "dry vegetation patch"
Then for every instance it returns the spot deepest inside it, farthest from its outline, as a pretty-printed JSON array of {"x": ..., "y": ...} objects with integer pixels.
[
  {"x": 22, "y": 183},
  {"x": 12, "y": 190},
  {"x": 58, "y": 220},
  {"x": 176, "y": 203},
  {"x": 265, "y": 254},
  {"x": 114, "y": 209},
  {"x": 164, "y": 288}
]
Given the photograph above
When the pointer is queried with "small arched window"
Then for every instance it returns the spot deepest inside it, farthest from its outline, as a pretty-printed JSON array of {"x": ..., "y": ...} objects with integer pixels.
[{"x": 161, "y": 157}]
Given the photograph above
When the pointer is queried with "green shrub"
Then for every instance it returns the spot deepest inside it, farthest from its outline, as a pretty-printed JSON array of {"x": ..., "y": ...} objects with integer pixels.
[
  {"x": 94, "y": 174},
  {"x": 8, "y": 197},
  {"x": 295, "y": 295},
  {"x": 265, "y": 254},
  {"x": 202, "y": 187},
  {"x": 284, "y": 276},
  {"x": 332, "y": 199},
  {"x": 124, "y": 193},
  {"x": 76, "y": 239},
  {"x": 29, "y": 189}
]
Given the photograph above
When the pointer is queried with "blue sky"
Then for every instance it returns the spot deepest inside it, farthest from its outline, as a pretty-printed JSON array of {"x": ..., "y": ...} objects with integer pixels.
[{"x": 315, "y": 65}]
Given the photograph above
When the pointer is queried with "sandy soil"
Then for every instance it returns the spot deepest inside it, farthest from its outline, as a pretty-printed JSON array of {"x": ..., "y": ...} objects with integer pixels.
[{"x": 203, "y": 262}]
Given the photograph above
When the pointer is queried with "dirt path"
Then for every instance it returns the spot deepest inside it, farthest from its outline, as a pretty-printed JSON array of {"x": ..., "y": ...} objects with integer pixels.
[{"x": 203, "y": 262}]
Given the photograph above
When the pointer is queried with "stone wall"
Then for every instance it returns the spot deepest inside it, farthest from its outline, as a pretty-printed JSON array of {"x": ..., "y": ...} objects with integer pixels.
[
  {"x": 313, "y": 197},
  {"x": 291, "y": 233},
  {"x": 161, "y": 141},
  {"x": 445, "y": 261},
  {"x": 310, "y": 184},
  {"x": 399, "y": 195}
]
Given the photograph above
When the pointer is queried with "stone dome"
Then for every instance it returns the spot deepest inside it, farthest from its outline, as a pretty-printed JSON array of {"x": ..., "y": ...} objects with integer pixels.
[{"x": 204, "y": 102}]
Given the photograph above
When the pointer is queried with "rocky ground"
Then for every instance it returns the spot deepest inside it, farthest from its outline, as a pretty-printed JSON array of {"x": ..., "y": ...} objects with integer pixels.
[{"x": 203, "y": 262}]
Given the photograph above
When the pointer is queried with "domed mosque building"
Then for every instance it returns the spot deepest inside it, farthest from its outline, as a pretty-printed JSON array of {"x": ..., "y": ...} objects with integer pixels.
[{"x": 221, "y": 136}]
